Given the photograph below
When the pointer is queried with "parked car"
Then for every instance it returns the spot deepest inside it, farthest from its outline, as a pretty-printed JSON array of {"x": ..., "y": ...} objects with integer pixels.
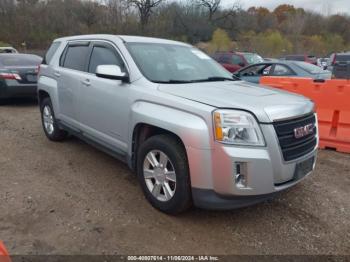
[
  {"x": 253, "y": 73},
  {"x": 18, "y": 75},
  {"x": 341, "y": 60},
  {"x": 190, "y": 131},
  {"x": 234, "y": 61},
  {"x": 8, "y": 50},
  {"x": 304, "y": 58}
]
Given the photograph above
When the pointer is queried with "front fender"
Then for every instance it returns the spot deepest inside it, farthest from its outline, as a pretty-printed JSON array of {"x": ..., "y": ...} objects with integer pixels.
[{"x": 190, "y": 128}]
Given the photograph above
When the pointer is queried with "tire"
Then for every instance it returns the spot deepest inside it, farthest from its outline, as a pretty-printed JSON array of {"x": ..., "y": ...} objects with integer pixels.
[
  {"x": 177, "y": 167},
  {"x": 53, "y": 133}
]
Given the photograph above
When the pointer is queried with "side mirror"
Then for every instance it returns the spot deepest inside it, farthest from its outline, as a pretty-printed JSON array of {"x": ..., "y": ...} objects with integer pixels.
[
  {"x": 111, "y": 72},
  {"x": 241, "y": 64}
]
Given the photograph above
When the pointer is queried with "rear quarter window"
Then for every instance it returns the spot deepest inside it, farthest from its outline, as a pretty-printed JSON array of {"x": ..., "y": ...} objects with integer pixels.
[{"x": 51, "y": 52}]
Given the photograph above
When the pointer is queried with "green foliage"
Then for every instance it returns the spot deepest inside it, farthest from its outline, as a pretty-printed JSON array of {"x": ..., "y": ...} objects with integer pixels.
[
  {"x": 220, "y": 41},
  {"x": 269, "y": 43},
  {"x": 273, "y": 43},
  {"x": 3, "y": 43}
]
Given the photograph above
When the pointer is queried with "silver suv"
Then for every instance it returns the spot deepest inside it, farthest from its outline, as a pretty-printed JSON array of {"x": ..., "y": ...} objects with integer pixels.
[{"x": 191, "y": 132}]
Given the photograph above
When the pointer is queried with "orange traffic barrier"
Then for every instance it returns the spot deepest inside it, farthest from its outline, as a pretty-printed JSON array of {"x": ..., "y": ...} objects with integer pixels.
[
  {"x": 4, "y": 255},
  {"x": 332, "y": 98}
]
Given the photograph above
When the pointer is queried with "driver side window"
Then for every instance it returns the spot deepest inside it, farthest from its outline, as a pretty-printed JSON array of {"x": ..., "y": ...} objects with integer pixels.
[
  {"x": 104, "y": 56},
  {"x": 255, "y": 70}
]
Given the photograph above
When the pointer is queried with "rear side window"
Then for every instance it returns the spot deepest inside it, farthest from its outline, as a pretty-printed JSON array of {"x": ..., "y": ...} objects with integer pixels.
[
  {"x": 50, "y": 53},
  {"x": 75, "y": 57},
  {"x": 104, "y": 56},
  {"x": 253, "y": 58},
  {"x": 281, "y": 70},
  {"x": 225, "y": 59},
  {"x": 236, "y": 60}
]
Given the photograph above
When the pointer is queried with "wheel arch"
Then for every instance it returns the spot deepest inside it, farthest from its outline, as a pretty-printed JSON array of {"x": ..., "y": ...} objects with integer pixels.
[
  {"x": 144, "y": 131},
  {"x": 149, "y": 119},
  {"x": 42, "y": 94},
  {"x": 47, "y": 87}
]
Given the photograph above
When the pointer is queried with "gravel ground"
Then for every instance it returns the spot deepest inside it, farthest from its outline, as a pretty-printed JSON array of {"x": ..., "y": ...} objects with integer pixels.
[{"x": 69, "y": 198}]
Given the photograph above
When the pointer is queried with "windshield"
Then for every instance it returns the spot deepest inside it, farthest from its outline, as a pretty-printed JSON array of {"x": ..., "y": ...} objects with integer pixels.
[
  {"x": 310, "y": 68},
  {"x": 167, "y": 63},
  {"x": 253, "y": 58}
]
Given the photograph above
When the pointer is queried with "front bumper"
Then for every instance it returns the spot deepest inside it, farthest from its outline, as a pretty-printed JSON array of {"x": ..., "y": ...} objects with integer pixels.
[{"x": 213, "y": 173}]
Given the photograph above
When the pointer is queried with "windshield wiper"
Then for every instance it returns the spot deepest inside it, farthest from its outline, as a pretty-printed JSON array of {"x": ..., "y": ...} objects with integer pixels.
[
  {"x": 215, "y": 79},
  {"x": 209, "y": 79},
  {"x": 174, "y": 82}
]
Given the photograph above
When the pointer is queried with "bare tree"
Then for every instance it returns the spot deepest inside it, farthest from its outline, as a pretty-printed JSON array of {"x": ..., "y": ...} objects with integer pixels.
[
  {"x": 145, "y": 8},
  {"x": 89, "y": 13},
  {"x": 211, "y": 5}
]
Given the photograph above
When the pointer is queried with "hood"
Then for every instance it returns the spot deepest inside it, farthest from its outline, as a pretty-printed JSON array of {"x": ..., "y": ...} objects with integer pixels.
[{"x": 268, "y": 104}]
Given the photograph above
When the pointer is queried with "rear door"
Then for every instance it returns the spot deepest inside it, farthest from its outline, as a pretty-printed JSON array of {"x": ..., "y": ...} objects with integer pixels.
[{"x": 70, "y": 75}]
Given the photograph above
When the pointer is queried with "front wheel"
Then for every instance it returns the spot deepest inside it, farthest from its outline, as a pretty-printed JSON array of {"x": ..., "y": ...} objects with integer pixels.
[{"x": 163, "y": 173}]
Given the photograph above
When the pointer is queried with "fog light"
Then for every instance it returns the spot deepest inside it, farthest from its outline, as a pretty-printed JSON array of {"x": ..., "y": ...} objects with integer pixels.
[{"x": 241, "y": 179}]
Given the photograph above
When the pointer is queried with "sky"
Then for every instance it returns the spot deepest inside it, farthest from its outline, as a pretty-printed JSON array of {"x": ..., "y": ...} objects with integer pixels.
[{"x": 326, "y": 7}]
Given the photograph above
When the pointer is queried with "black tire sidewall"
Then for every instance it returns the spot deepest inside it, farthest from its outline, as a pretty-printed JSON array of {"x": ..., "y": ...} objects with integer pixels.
[
  {"x": 181, "y": 200},
  {"x": 57, "y": 134}
]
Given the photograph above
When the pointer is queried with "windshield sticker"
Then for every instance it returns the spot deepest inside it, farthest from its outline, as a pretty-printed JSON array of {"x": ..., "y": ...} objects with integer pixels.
[{"x": 200, "y": 54}]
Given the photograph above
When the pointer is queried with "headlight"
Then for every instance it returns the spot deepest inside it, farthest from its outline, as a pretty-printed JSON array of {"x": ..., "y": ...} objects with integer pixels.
[{"x": 237, "y": 128}]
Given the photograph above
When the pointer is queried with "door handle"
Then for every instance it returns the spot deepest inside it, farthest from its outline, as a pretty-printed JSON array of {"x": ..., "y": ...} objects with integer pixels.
[
  {"x": 57, "y": 74},
  {"x": 86, "y": 82}
]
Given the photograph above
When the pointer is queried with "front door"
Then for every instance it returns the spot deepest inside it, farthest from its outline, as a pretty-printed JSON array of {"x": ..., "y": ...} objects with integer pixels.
[{"x": 104, "y": 103}]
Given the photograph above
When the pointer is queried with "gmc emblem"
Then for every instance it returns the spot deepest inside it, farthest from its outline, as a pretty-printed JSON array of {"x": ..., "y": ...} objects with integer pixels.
[{"x": 303, "y": 131}]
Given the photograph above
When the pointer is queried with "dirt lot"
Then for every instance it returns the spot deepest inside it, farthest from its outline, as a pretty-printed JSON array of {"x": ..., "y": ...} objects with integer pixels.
[{"x": 69, "y": 198}]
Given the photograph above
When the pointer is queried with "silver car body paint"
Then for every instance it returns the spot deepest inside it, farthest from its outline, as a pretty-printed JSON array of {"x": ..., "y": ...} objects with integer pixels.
[{"x": 107, "y": 112}]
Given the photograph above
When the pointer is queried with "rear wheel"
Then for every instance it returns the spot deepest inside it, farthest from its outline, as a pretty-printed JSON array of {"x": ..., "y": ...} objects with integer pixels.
[
  {"x": 162, "y": 170},
  {"x": 49, "y": 122}
]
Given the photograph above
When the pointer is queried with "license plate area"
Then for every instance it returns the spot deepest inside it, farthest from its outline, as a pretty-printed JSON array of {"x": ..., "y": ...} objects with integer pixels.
[
  {"x": 33, "y": 78},
  {"x": 304, "y": 168}
]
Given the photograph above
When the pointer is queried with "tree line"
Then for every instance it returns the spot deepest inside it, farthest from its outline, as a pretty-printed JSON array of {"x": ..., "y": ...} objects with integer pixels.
[{"x": 207, "y": 23}]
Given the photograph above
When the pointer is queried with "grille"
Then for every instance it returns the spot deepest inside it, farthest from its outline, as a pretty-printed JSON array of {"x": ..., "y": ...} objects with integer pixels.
[{"x": 292, "y": 147}]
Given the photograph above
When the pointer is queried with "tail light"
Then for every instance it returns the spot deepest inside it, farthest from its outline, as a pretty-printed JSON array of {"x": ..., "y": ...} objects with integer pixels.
[
  {"x": 37, "y": 70},
  {"x": 10, "y": 76},
  {"x": 334, "y": 59}
]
